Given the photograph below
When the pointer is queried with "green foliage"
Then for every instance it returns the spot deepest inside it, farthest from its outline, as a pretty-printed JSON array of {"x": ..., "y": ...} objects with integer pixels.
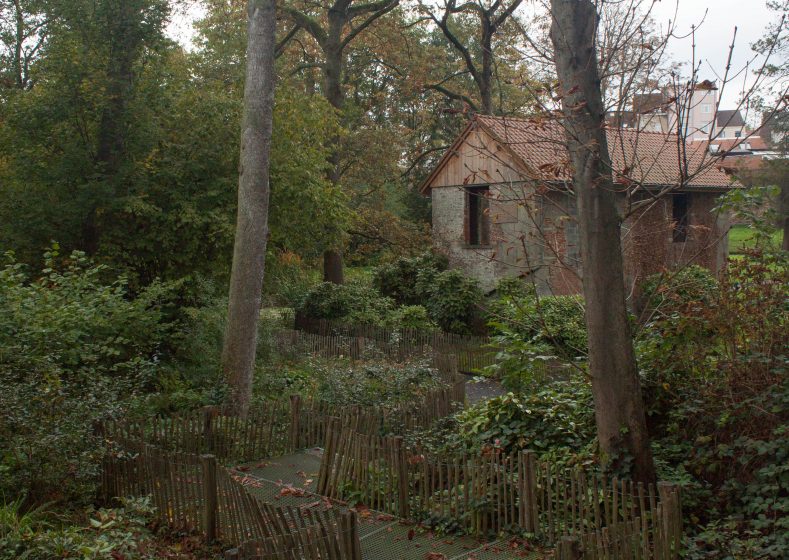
[
  {"x": 74, "y": 349},
  {"x": 664, "y": 293},
  {"x": 399, "y": 279},
  {"x": 167, "y": 208},
  {"x": 411, "y": 317},
  {"x": 347, "y": 383},
  {"x": 530, "y": 331},
  {"x": 429, "y": 295},
  {"x": 556, "y": 421},
  {"x": 451, "y": 299},
  {"x": 715, "y": 370},
  {"x": 108, "y": 534},
  {"x": 353, "y": 302},
  {"x": 376, "y": 383},
  {"x": 287, "y": 279}
]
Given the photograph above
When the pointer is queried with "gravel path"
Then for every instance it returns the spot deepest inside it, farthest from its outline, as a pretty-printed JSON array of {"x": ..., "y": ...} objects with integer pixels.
[{"x": 482, "y": 390}]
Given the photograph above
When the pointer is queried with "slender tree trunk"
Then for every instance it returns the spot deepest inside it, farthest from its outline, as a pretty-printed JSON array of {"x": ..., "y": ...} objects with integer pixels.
[
  {"x": 125, "y": 41},
  {"x": 619, "y": 408},
  {"x": 19, "y": 75},
  {"x": 783, "y": 208},
  {"x": 486, "y": 77},
  {"x": 249, "y": 252},
  {"x": 332, "y": 258}
]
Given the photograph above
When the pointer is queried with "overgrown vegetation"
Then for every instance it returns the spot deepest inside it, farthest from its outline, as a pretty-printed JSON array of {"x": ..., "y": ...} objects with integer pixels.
[
  {"x": 75, "y": 349},
  {"x": 712, "y": 355},
  {"x": 416, "y": 292},
  {"x": 532, "y": 333},
  {"x": 714, "y": 361}
]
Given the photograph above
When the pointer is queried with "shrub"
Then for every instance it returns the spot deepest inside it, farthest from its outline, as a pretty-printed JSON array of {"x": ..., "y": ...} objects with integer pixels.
[
  {"x": 108, "y": 534},
  {"x": 287, "y": 280},
  {"x": 451, "y": 299},
  {"x": 398, "y": 280},
  {"x": 74, "y": 349},
  {"x": 715, "y": 371},
  {"x": 411, "y": 317},
  {"x": 556, "y": 421},
  {"x": 529, "y": 331},
  {"x": 372, "y": 383},
  {"x": 662, "y": 293},
  {"x": 353, "y": 302}
]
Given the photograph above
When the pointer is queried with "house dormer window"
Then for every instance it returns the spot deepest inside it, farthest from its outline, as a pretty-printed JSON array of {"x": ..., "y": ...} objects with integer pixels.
[
  {"x": 477, "y": 216},
  {"x": 680, "y": 217}
]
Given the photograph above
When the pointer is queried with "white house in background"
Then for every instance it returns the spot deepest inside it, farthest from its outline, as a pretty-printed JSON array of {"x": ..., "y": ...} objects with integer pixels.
[
  {"x": 731, "y": 124},
  {"x": 657, "y": 111},
  {"x": 698, "y": 117}
]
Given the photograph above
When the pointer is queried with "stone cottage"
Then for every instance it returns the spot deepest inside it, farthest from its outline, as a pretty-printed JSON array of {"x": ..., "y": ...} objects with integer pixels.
[{"x": 503, "y": 204}]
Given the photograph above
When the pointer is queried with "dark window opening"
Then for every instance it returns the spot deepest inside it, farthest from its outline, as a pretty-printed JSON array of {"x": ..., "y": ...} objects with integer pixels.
[
  {"x": 477, "y": 216},
  {"x": 679, "y": 215}
]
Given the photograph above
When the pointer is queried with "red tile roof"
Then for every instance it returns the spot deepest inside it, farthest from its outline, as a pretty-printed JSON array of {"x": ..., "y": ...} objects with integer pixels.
[
  {"x": 739, "y": 144},
  {"x": 648, "y": 158}
]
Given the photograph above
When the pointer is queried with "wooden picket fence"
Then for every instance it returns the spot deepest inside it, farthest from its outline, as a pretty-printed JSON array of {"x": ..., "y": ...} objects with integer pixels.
[
  {"x": 497, "y": 492},
  {"x": 629, "y": 540},
  {"x": 321, "y": 537},
  {"x": 193, "y": 493},
  {"x": 364, "y": 342},
  {"x": 278, "y": 427}
]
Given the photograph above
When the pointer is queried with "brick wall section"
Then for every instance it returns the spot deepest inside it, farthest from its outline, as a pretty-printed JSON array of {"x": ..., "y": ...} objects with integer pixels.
[
  {"x": 518, "y": 248},
  {"x": 649, "y": 248}
]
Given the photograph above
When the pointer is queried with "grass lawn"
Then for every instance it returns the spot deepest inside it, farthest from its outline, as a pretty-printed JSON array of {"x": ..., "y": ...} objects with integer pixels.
[{"x": 742, "y": 237}]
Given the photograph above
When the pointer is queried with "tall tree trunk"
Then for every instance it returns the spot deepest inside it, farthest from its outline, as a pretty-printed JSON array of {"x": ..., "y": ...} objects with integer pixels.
[
  {"x": 783, "y": 208},
  {"x": 19, "y": 75},
  {"x": 125, "y": 41},
  {"x": 486, "y": 75},
  {"x": 619, "y": 408},
  {"x": 249, "y": 252},
  {"x": 332, "y": 257}
]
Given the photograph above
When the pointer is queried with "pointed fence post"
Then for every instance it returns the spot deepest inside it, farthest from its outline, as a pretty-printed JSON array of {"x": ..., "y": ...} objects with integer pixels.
[
  {"x": 295, "y": 422},
  {"x": 569, "y": 548},
  {"x": 210, "y": 498},
  {"x": 355, "y": 546},
  {"x": 529, "y": 510},
  {"x": 672, "y": 517},
  {"x": 208, "y": 427},
  {"x": 402, "y": 477}
]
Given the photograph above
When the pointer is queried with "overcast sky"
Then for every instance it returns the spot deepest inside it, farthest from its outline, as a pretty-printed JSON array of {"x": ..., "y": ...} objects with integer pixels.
[
  {"x": 712, "y": 38},
  {"x": 751, "y": 17}
]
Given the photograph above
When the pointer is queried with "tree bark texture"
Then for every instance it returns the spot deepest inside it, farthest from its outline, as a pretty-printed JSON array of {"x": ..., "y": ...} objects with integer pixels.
[
  {"x": 619, "y": 408},
  {"x": 249, "y": 252},
  {"x": 333, "y": 267},
  {"x": 783, "y": 208}
]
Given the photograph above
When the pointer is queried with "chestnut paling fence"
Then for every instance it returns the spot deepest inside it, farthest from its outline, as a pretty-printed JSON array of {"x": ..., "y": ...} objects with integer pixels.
[
  {"x": 358, "y": 342},
  {"x": 178, "y": 462},
  {"x": 194, "y": 493},
  {"x": 494, "y": 493}
]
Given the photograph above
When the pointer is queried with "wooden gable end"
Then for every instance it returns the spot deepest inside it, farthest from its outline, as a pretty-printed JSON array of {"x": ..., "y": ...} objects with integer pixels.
[{"x": 474, "y": 159}]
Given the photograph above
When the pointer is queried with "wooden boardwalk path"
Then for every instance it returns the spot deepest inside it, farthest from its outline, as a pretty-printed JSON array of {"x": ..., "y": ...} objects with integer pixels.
[{"x": 291, "y": 481}]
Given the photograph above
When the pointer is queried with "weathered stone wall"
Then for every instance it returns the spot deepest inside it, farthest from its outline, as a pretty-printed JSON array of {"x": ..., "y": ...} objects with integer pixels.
[
  {"x": 536, "y": 237},
  {"x": 649, "y": 248}
]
